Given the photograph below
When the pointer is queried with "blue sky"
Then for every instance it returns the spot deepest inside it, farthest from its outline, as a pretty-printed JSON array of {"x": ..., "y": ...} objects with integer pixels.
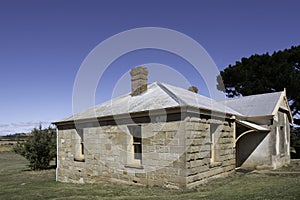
[{"x": 43, "y": 43}]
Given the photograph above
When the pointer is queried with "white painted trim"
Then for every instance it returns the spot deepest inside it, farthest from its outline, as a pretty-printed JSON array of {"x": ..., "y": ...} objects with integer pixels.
[
  {"x": 246, "y": 132},
  {"x": 286, "y": 136},
  {"x": 57, "y": 161},
  {"x": 281, "y": 98},
  {"x": 277, "y": 141},
  {"x": 252, "y": 125}
]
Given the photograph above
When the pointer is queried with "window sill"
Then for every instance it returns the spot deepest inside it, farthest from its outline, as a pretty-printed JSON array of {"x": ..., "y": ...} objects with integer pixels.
[
  {"x": 79, "y": 159},
  {"x": 135, "y": 166}
]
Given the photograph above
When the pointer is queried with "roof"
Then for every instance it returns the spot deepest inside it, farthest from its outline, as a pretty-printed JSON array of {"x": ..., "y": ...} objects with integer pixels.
[
  {"x": 252, "y": 126},
  {"x": 158, "y": 96},
  {"x": 255, "y": 105}
]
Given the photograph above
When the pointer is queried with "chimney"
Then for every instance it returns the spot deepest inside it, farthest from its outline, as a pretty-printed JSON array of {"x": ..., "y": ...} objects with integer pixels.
[
  {"x": 193, "y": 89},
  {"x": 139, "y": 79}
]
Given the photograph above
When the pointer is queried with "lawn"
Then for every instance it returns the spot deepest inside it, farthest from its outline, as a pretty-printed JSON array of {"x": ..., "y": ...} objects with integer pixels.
[{"x": 18, "y": 182}]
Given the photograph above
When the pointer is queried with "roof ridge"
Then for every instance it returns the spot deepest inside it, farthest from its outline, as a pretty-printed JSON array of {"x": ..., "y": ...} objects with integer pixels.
[
  {"x": 180, "y": 101},
  {"x": 171, "y": 94}
]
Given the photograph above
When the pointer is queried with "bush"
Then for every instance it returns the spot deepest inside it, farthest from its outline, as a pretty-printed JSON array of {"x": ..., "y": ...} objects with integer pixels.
[{"x": 39, "y": 149}]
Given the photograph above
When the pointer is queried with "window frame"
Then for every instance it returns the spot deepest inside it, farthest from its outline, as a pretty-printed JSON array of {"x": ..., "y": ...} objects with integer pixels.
[
  {"x": 136, "y": 142},
  {"x": 214, "y": 131},
  {"x": 79, "y": 146}
]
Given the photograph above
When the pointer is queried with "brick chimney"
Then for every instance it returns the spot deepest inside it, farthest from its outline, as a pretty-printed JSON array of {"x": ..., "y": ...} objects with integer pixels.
[
  {"x": 139, "y": 79},
  {"x": 193, "y": 89}
]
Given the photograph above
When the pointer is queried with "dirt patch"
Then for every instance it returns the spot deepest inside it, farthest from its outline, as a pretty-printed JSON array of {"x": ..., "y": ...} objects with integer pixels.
[{"x": 292, "y": 168}]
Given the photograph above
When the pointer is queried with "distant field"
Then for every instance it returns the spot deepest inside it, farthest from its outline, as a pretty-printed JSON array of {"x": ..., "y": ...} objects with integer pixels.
[
  {"x": 18, "y": 182},
  {"x": 7, "y": 142},
  {"x": 15, "y": 137},
  {"x": 6, "y": 145}
]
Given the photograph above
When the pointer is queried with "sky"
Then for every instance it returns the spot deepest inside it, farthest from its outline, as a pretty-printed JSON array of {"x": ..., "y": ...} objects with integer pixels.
[{"x": 43, "y": 44}]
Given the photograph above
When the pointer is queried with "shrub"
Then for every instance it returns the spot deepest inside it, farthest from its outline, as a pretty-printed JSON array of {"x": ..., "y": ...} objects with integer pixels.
[{"x": 39, "y": 149}]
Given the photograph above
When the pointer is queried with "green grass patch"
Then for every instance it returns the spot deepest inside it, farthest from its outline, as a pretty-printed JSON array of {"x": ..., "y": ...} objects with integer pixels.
[{"x": 18, "y": 182}]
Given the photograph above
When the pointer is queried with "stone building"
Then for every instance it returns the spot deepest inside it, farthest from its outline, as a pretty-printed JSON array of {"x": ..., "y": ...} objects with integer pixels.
[
  {"x": 263, "y": 140},
  {"x": 163, "y": 135}
]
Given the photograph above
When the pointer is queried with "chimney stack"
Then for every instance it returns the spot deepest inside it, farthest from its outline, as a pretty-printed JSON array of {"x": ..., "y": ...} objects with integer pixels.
[
  {"x": 139, "y": 79},
  {"x": 193, "y": 89}
]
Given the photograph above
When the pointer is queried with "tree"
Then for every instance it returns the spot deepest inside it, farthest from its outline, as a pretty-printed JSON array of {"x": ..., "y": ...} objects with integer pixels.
[
  {"x": 295, "y": 137},
  {"x": 295, "y": 142},
  {"x": 265, "y": 73},
  {"x": 39, "y": 149}
]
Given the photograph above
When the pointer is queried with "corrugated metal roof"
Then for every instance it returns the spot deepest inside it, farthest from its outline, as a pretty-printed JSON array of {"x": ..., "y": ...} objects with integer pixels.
[
  {"x": 254, "y": 105},
  {"x": 158, "y": 96},
  {"x": 189, "y": 98}
]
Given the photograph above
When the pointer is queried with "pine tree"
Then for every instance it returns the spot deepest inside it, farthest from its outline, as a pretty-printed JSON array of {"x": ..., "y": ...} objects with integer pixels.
[{"x": 265, "y": 73}]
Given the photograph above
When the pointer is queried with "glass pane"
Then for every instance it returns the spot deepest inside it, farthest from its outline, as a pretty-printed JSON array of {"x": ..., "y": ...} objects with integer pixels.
[{"x": 137, "y": 151}]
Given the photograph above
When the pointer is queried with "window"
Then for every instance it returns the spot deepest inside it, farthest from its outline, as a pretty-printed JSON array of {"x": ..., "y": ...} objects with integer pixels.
[
  {"x": 282, "y": 140},
  {"x": 213, "y": 128},
  {"x": 137, "y": 146},
  {"x": 214, "y": 136},
  {"x": 82, "y": 148},
  {"x": 136, "y": 143},
  {"x": 79, "y": 146}
]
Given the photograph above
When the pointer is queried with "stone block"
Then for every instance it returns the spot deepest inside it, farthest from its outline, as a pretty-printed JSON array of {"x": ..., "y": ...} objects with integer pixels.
[
  {"x": 171, "y": 134},
  {"x": 229, "y": 162},
  {"x": 176, "y": 149},
  {"x": 179, "y": 164},
  {"x": 197, "y": 163},
  {"x": 173, "y": 126},
  {"x": 225, "y": 141},
  {"x": 162, "y": 149}
]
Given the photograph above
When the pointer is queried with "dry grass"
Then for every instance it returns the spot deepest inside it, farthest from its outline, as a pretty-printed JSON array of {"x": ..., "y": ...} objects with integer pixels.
[
  {"x": 6, "y": 145},
  {"x": 18, "y": 182},
  {"x": 7, "y": 142}
]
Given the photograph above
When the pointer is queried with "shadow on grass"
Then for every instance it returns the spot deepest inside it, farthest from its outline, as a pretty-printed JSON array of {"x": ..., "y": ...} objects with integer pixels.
[
  {"x": 243, "y": 171},
  {"x": 50, "y": 167}
]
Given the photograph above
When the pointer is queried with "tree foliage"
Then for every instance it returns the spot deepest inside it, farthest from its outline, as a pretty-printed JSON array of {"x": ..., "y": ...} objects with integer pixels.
[
  {"x": 295, "y": 142},
  {"x": 295, "y": 137},
  {"x": 265, "y": 73},
  {"x": 39, "y": 149}
]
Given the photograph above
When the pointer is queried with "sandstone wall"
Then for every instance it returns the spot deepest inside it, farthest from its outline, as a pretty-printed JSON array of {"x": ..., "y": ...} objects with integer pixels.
[
  {"x": 107, "y": 152},
  {"x": 199, "y": 164},
  {"x": 174, "y": 154}
]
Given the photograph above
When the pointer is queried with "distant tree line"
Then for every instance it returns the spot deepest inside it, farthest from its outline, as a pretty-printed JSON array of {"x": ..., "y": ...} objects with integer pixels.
[{"x": 15, "y": 137}]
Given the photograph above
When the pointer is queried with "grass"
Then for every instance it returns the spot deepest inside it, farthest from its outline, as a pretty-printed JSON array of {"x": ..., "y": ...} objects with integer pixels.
[
  {"x": 294, "y": 167},
  {"x": 18, "y": 182}
]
